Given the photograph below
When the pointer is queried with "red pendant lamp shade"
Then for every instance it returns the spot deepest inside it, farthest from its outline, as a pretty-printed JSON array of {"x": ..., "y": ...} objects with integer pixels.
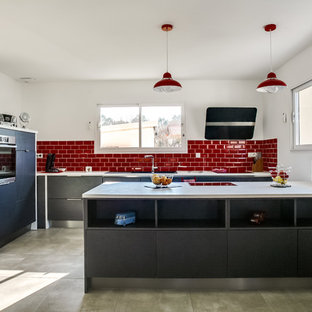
[
  {"x": 167, "y": 84},
  {"x": 271, "y": 84}
]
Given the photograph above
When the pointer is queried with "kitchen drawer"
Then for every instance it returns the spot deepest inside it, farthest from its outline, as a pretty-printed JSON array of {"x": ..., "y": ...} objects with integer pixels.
[
  {"x": 111, "y": 253},
  {"x": 121, "y": 179},
  {"x": 145, "y": 179},
  {"x": 71, "y": 187},
  {"x": 191, "y": 254},
  {"x": 305, "y": 253},
  {"x": 65, "y": 209},
  {"x": 262, "y": 253}
]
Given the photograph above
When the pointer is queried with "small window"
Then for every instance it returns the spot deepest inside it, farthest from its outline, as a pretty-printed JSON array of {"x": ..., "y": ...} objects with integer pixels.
[
  {"x": 302, "y": 116},
  {"x": 140, "y": 129}
]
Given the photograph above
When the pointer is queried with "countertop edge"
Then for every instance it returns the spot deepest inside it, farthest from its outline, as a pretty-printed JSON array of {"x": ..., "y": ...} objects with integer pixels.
[
  {"x": 138, "y": 190},
  {"x": 227, "y": 196}
]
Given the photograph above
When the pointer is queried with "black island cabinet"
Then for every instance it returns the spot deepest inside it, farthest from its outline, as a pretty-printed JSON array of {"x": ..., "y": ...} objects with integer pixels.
[{"x": 198, "y": 238}]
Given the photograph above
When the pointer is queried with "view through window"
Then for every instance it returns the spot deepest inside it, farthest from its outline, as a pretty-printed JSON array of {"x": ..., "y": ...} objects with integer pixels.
[
  {"x": 119, "y": 127},
  {"x": 141, "y": 127},
  {"x": 302, "y": 102}
]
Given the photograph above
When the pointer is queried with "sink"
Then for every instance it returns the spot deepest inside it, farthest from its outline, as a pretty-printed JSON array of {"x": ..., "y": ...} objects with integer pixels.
[
  {"x": 156, "y": 172},
  {"x": 211, "y": 184}
]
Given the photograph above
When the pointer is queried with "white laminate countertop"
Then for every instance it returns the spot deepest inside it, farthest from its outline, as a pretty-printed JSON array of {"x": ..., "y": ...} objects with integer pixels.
[
  {"x": 184, "y": 190},
  {"x": 18, "y": 129},
  {"x": 141, "y": 175}
]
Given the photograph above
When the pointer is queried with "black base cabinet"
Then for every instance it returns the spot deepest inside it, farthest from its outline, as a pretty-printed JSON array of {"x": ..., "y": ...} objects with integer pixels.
[
  {"x": 305, "y": 253},
  {"x": 64, "y": 197},
  {"x": 71, "y": 187},
  {"x": 148, "y": 253},
  {"x": 262, "y": 253},
  {"x": 198, "y": 239},
  {"x": 120, "y": 253},
  {"x": 7, "y": 220},
  {"x": 191, "y": 254}
]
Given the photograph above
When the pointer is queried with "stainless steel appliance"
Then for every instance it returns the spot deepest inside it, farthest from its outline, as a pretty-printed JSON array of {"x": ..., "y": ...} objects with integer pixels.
[{"x": 7, "y": 159}]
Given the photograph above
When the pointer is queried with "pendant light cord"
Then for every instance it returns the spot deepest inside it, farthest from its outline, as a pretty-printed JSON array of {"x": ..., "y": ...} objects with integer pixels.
[
  {"x": 167, "y": 49},
  {"x": 271, "y": 62}
]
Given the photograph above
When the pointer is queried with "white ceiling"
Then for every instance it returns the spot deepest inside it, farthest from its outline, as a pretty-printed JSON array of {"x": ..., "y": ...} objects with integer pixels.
[{"x": 121, "y": 39}]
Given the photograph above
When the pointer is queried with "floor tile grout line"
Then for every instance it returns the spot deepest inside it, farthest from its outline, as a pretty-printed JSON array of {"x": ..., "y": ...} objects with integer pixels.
[{"x": 192, "y": 304}]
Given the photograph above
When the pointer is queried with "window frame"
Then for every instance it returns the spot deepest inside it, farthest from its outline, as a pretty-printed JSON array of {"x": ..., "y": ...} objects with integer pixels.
[
  {"x": 296, "y": 118},
  {"x": 139, "y": 150}
]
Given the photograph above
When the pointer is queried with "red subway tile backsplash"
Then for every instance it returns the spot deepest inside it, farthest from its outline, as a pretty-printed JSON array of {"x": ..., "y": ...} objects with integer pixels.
[{"x": 226, "y": 154}]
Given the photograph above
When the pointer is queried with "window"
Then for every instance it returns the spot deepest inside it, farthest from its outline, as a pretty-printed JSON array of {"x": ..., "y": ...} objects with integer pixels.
[
  {"x": 302, "y": 116},
  {"x": 141, "y": 128}
]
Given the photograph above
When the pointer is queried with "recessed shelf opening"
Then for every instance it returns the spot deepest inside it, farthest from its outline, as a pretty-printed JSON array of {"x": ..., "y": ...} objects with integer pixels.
[
  {"x": 191, "y": 213},
  {"x": 277, "y": 212},
  {"x": 304, "y": 212},
  {"x": 102, "y": 213}
]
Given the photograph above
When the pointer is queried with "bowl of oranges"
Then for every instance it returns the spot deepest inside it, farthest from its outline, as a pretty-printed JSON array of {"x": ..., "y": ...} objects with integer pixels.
[{"x": 161, "y": 180}]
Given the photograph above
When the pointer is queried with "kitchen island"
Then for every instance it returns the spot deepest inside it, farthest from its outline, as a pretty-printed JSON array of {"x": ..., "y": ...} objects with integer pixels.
[{"x": 198, "y": 232}]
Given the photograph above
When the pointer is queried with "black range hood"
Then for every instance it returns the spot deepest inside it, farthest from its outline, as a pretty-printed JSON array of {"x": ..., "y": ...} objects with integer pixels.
[{"x": 230, "y": 122}]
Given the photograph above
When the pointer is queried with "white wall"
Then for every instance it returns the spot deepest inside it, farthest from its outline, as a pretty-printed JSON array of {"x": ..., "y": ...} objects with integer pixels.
[
  {"x": 10, "y": 96},
  {"x": 61, "y": 110},
  {"x": 295, "y": 72}
]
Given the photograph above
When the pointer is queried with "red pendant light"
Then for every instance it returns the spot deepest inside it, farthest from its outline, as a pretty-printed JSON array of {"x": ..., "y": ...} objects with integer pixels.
[
  {"x": 271, "y": 84},
  {"x": 167, "y": 84}
]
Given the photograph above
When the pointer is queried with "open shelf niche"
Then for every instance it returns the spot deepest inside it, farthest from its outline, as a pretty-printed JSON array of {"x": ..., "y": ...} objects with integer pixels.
[
  {"x": 304, "y": 212},
  {"x": 102, "y": 213},
  {"x": 191, "y": 213},
  {"x": 278, "y": 212}
]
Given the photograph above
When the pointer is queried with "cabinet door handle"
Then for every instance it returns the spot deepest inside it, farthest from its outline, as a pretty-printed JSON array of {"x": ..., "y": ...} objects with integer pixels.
[
  {"x": 25, "y": 150},
  {"x": 73, "y": 198}
]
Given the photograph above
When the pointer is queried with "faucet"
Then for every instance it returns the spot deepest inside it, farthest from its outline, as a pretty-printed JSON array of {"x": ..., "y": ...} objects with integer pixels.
[{"x": 153, "y": 167}]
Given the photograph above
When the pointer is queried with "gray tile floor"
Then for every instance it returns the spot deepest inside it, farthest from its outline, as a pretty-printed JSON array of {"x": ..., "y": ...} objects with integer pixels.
[{"x": 61, "y": 251}]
